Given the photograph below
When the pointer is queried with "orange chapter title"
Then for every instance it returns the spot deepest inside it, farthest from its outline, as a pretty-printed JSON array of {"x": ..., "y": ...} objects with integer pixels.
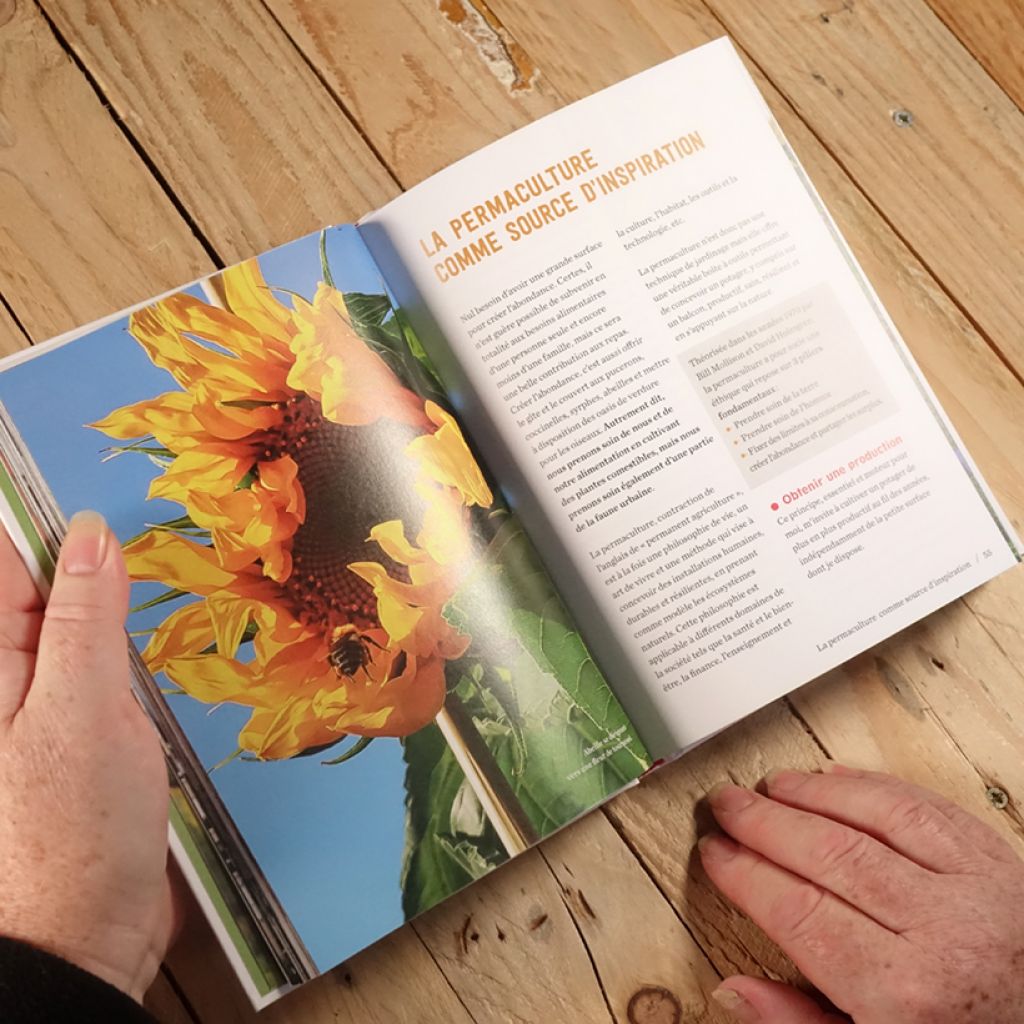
[{"x": 542, "y": 198}]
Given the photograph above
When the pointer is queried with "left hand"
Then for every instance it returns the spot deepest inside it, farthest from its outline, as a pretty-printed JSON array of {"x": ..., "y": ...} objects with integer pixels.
[
  {"x": 83, "y": 784},
  {"x": 898, "y": 905}
]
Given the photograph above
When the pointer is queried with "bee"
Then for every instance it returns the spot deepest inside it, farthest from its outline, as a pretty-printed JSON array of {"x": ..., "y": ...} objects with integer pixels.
[{"x": 350, "y": 652}]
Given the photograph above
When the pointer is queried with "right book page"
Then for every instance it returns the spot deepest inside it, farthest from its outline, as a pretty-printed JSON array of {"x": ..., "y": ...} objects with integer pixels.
[{"x": 692, "y": 392}]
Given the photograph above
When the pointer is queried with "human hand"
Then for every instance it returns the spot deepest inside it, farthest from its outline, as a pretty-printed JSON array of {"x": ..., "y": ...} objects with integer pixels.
[
  {"x": 83, "y": 786},
  {"x": 897, "y": 904}
]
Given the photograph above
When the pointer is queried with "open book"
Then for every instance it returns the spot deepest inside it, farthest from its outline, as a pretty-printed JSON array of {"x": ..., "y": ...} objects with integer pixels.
[{"x": 448, "y": 525}]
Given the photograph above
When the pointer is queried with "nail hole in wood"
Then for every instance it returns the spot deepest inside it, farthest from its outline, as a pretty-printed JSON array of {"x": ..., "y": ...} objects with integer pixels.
[
  {"x": 998, "y": 797},
  {"x": 902, "y": 118}
]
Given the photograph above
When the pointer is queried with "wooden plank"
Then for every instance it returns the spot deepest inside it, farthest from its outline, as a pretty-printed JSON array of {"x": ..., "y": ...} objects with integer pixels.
[
  {"x": 230, "y": 114},
  {"x": 427, "y": 82},
  {"x": 487, "y": 945},
  {"x": 393, "y": 982},
  {"x": 613, "y": 905},
  {"x": 85, "y": 228},
  {"x": 663, "y": 817},
  {"x": 940, "y": 705},
  {"x": 950, "y": 182},
  {"x": 992, "y": 32}
]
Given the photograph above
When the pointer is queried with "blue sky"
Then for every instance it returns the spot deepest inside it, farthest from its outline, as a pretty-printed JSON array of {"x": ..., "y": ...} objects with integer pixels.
[{"x": 328, "y": 838}]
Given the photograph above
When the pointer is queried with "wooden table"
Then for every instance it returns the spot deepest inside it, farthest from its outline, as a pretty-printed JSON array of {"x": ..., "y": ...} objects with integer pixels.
[{"x": 142, "y": 143}]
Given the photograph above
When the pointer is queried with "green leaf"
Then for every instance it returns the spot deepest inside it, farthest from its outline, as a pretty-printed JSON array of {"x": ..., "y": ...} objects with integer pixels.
[
  {"x": 536, "y": 696},
  {"x": 367, "y": 310},
  {"x": 357, "y": 748},
  {"x": 170, "y": 595},
  {"x": 325, "y": 266},
  {"x": 446, "y": 845},
  {"x": 561, "y": 652}
]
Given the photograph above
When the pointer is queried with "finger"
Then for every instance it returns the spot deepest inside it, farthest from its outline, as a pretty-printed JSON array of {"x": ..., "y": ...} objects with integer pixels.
[
  {"x": 759, "y": 1001},
  {"x": 849, "y": 863},
  {"x": 18, "y": 591},
  {"x": 979, "y": 835},
  {"x": 83, "y": 650},
  {"x": 893, "y": 811},
  {"x": 838, "y": 949}
]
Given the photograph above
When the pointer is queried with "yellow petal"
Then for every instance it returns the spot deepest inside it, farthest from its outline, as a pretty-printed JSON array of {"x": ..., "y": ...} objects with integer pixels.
[
  {"x": 243, "y": 371},
  {"x": 199, "y": 471},
  {"x": 249, "y": 298},
  {"x": 186, "y": 631},
  {"x": 230, "y": 615},
  {"x": 214, "y": 679},
  {"x": 334, "y": 364},
  {"x": 445, "y": 458},
  {"x": 168, "y": 417},
  {"x": 166, "y": 558}
]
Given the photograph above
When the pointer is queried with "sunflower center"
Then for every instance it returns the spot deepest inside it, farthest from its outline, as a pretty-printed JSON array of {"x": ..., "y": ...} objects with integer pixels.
[{"x": 353, "y": 479}]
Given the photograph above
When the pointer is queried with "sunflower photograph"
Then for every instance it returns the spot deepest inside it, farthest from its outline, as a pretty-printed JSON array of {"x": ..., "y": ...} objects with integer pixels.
[{"x": 339, "y": 606}]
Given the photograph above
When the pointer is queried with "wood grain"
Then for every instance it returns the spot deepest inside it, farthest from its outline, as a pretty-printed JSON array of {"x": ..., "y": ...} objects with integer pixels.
[
  {"x": 428, "y": 83},
  {"x": 950, "y": 182},
  {"x": 230, "y": 115},
  {"x": 615, "y": 906},
  {"x": 85, "y": 227},
  {"x": 395, "y": 981},
  {"x": 993, "y": 33}
]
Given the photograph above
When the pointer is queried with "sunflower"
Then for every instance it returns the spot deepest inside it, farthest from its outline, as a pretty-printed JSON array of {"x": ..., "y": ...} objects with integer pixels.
[{"x": 326, "y": 518}]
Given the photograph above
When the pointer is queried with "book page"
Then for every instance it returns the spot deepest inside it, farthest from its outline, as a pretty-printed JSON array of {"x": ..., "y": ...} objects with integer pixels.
[
  {"x": 369, "y": 691},
  {"x": 692, "y": 393}
]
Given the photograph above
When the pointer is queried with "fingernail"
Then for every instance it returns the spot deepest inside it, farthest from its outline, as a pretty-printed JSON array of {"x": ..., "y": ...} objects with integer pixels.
[
  {"x": 85, "y": 545},
  {"x": 726, "y": 797},
  {"x": 784, "y": 781},
  {"x": 716, "y": 847},
  {"x": 731, "y": 1000},
  {"x": 834, "y": 768}
]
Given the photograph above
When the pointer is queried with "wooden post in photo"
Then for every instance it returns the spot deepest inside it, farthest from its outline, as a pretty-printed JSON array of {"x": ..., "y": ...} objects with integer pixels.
[{"x": 492, "y": 789}]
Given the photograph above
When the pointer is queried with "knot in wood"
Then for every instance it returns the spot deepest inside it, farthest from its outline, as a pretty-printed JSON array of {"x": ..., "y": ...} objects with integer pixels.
[{"x": 654, "y": 1005}]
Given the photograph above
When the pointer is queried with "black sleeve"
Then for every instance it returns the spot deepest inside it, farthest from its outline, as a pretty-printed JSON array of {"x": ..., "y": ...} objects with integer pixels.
[{"x": 39, "y": 988}]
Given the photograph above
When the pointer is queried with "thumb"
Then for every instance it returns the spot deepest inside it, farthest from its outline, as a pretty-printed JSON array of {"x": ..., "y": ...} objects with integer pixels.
[
  {"x": 83, "y": 650},
  {"x": 758, "y": 1001}
]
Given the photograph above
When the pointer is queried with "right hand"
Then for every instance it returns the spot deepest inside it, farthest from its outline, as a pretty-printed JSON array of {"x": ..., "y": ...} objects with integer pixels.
[{"x": 898, "y": 905}]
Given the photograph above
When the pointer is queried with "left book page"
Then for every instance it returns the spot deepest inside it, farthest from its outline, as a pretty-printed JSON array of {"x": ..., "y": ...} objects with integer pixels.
[{"x": 367, "y": 685}]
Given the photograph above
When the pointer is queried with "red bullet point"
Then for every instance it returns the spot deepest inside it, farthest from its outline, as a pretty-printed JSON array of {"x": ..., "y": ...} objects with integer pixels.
[{"x": 775, "y": 506}]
